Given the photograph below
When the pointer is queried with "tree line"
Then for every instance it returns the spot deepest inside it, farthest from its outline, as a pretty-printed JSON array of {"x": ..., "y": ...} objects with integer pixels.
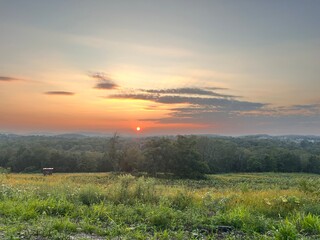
[{"x": 182, "y": 156}]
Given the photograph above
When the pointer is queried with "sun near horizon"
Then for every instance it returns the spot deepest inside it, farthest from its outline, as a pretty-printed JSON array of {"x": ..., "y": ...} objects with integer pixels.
[{"x": 230, "y": 68}]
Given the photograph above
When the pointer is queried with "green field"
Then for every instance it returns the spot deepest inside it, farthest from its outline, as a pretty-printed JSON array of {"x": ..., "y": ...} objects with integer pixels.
[{"x": 107, "y": 206}]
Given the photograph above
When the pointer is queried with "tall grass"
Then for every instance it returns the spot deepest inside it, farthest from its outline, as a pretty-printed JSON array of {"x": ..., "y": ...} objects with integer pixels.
[{"x": 231, "y": 206}]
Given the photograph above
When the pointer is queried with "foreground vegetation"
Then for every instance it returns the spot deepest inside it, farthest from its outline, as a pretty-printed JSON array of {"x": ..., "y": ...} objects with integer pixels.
[{"x": 108, "y": 206}]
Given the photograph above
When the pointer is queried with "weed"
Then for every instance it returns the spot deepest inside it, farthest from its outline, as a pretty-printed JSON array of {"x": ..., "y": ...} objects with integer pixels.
[
  {"x": 181, "y": 200},
  {"x": 90, "y": 194},
  {"x": 228, "y": 206},
  {"x": 286, "y": 231},
  {"x": 161, "y": 217},
  {"x": 309, "y": 223}
]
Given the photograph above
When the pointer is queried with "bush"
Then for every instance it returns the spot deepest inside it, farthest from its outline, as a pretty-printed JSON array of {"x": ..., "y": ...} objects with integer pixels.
[
  {"x": 162, "y": 217},
  {"x": 144, "y": 190},
  {"x": 4, "y": 170},
  {"x": 90, "y": 194},
  {"x": 309, "y": 224},
  {"x": 52, "y": 207},
  {"x": 286, "y": 231},
  {"x": 181, "y": 200}
]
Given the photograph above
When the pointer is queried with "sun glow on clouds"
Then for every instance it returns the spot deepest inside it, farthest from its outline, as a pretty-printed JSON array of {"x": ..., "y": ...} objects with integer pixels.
[
  {"x": 181, "y": 74},
  {"x": 66, "y": 106}
]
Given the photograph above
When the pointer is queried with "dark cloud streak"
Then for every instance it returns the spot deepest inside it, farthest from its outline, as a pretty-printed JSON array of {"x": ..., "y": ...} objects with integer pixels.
[
  {"x": 103, "y": 81},
  {"x": 203, "y": 105},
  {"x": 105, "y": 84},
  {"x": 223, "y": 104},
  {"x": 191, "y": 91},
  {"x": 7, "y": 79},
  {"x": 62, "y": 93},
  {"x": 306, "y": 107}
]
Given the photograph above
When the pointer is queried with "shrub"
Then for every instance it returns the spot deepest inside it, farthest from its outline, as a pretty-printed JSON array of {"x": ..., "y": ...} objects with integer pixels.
[
  {"x": 181, "y": 200},
  {"x": 309, "y": 186},
  {"x": 64, "y": 225},
  {"x": 235, "y": 217},
  {"x": 90, "y": 194},
  {"x": 144, "y": 190},
  {"x": 161, "y": 217},
  {"x": 286, "y": 231},
  {"x": 309, "y": 223},
  {"x": 52, "y": 207},
  {"x": 119, "y": 192}
]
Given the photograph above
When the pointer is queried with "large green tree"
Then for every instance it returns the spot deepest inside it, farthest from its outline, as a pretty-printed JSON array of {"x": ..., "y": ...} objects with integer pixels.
[{"x": 187, "y": 161}]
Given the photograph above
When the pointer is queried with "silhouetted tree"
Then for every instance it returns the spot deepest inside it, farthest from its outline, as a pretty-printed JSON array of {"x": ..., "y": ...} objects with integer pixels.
[{"x": 187, "y": 161}]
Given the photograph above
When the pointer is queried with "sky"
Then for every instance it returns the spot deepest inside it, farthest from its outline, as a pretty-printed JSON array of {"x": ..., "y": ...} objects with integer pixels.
[{"x": 171, "y": 67}]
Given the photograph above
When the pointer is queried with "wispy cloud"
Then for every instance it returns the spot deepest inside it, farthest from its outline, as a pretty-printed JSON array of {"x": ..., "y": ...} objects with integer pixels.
[
  {"x": 103, "y": 81},
  {"x": 62, "y": 93},
  {"x": 188, "y": 91},
  {"x": 200, "y": 104},
  {"x": 306, "y": 107},
  {"x": 306, "y": 110},
  {"x": 266, "y": 120},
  {"x": 7, "y": 79},
  {"x": 209, "y": 108},
  {"x": 219, "y": 103}
]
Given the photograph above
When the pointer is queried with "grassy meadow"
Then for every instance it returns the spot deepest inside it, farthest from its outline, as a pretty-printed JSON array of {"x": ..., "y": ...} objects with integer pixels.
[{"x": 108, "y": 206}]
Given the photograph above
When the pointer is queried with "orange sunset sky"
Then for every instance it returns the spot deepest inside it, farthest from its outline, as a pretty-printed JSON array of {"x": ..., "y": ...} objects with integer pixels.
[{"x": 170, "y": 67}]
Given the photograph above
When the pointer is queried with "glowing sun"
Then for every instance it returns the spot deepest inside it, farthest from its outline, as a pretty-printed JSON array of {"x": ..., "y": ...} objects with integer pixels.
[{"x": 138, "y": 129}]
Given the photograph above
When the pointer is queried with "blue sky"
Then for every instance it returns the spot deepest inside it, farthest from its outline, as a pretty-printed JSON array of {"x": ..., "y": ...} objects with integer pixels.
[{"x": 226, "y": 67}]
